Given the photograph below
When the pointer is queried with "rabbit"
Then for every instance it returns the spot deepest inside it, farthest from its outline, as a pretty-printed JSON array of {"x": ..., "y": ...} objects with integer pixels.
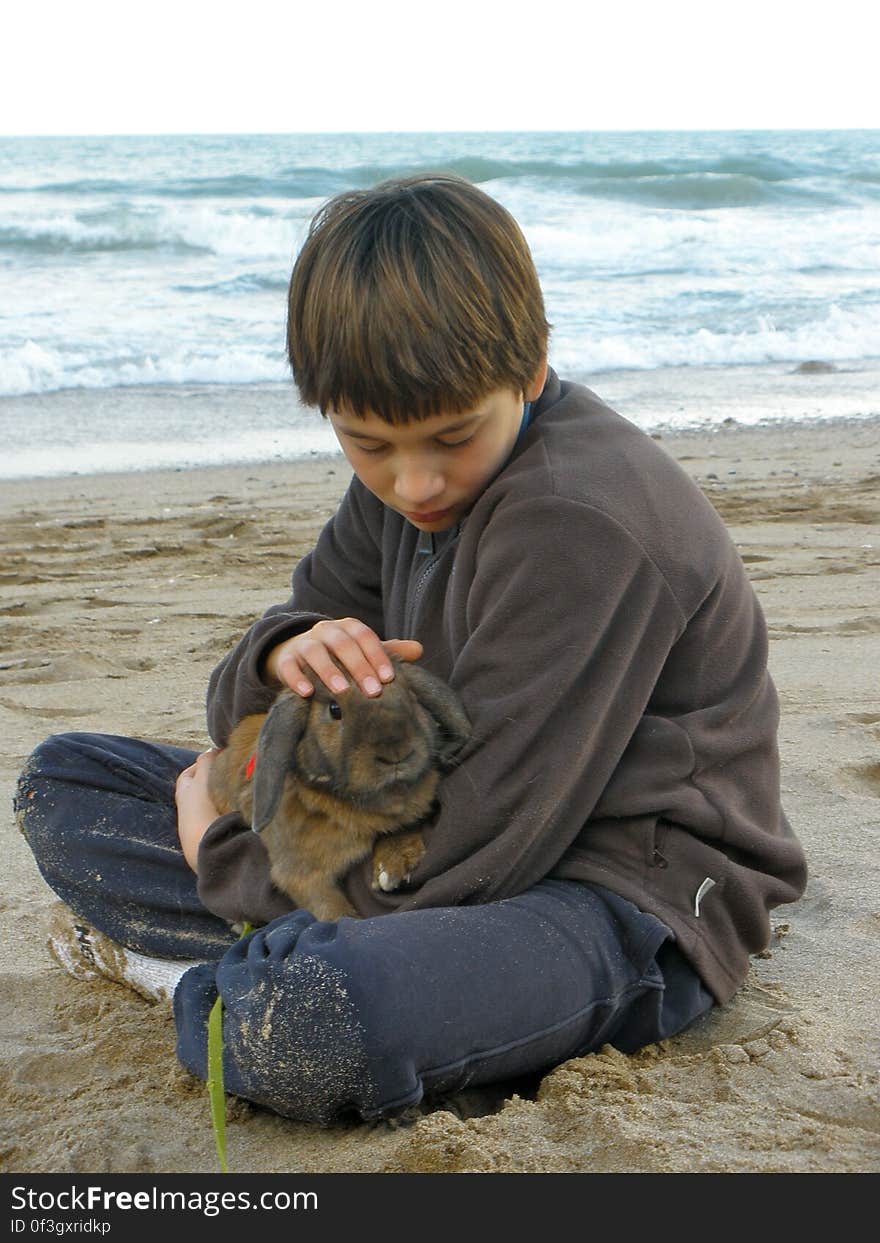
[{"x": 322, "y": 779}]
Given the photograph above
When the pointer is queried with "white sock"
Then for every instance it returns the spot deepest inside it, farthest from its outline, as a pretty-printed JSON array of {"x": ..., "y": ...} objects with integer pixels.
[{"x": 87, "y": 954}]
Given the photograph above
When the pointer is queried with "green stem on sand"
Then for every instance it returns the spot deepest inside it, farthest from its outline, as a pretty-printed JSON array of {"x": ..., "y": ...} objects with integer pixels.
[{"x": 216, "y": 1090}]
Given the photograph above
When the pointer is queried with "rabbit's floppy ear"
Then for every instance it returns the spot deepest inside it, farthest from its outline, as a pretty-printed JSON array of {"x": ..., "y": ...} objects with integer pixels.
[
  {"x": 442, "y": 703},
  {"x": 276, "y": 747}
]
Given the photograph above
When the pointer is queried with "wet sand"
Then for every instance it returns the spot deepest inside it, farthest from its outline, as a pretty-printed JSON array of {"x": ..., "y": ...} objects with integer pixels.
[{"x": 120, "y": 592}]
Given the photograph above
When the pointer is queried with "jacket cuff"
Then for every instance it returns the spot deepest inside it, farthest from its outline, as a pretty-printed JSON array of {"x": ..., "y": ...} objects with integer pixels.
[{"x": 233, "y": 874}]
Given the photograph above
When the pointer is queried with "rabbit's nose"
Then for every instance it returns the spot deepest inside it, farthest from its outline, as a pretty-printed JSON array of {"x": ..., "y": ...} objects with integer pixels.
[{"x": 395, "y": 759}]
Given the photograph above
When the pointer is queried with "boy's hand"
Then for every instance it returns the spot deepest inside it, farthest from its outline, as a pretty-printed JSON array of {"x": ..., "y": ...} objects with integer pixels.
[
  {"x": 329, "y": 644},
  {"x": 195, "y": 809}
]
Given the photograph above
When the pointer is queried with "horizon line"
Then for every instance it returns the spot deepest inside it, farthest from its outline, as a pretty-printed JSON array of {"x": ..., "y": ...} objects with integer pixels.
[{"x": 284, "y": 133}]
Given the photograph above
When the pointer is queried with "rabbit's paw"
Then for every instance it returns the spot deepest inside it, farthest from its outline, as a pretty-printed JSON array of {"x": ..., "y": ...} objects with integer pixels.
[{"x": 395, "y": 859}]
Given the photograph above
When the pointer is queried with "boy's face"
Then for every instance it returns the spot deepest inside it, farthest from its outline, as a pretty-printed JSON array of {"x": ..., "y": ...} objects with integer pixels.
[{"x": 433, "y": 470}]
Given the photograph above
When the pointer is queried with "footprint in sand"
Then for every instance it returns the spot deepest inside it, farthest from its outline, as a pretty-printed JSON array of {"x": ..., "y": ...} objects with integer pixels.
[
  {"x": 66, "y": 667},
  {"x": 45, "y": 713},
  {"x": 867, "y": 778},
  {"x": 864, "y": 778},
  {"x": 868, "y": 926},
  {"x": 869, "y": 624}
]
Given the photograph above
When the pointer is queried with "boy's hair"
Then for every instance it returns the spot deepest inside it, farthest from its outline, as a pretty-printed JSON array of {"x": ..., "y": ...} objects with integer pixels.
[{"x": 414, "y": 298}]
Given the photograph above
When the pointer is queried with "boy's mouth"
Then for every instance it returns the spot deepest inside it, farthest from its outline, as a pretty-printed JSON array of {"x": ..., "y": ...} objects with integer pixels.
[{"x": 427, "y": 517}]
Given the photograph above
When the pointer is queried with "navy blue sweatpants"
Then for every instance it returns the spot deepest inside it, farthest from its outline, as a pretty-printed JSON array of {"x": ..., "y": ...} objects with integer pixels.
[{"x": 354, "y": 1016}]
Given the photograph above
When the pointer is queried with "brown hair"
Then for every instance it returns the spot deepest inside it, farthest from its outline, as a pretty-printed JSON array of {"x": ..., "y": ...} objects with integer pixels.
[{"x": 414, "y": 298}]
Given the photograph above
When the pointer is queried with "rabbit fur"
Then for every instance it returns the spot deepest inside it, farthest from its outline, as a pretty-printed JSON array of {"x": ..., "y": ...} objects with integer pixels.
[{"x": 333, "y": 775}]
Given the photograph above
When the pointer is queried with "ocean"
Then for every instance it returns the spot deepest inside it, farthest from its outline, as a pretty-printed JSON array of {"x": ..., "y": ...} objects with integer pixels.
[{"x": 689, "y": 277}]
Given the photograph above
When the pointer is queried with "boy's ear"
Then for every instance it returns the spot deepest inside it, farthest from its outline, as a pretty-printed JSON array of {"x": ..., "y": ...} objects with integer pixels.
[{"x": 536, "y": 387}]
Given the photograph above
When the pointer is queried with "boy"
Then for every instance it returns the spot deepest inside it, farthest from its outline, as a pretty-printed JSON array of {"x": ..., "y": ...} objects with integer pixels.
[{"x": 609, "y": 846}]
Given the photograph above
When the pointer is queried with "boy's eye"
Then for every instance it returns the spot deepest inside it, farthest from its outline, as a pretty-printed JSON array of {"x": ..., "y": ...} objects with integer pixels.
[
  {"x": 334, "y": 710},
  {"x": 362, "y": 448},
  {"x": 456, "y": 444}
]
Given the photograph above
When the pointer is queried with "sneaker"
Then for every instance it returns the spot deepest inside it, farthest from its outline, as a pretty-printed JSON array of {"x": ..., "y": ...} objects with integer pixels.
[{"x": 87, "y": 954}]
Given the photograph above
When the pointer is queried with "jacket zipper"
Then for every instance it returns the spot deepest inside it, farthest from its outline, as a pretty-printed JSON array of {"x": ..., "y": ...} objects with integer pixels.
[{"x": 425, "y": 546}]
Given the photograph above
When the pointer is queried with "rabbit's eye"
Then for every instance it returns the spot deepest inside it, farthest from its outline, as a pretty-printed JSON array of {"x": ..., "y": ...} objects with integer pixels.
[{"x": 335, "y": 711}]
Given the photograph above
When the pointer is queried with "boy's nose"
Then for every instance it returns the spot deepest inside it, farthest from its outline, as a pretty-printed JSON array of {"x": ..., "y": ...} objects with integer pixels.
[{"x": 417, "y": 486}]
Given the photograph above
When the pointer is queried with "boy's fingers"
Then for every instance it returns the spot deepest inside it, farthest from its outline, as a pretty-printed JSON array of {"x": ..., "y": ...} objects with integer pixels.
[
  {"x": 289, "y": 673},
  {"x": 282, "y": 666},
  {"x": 358, "y": 649},
  {"x": 185, "y": 775},
  {"x": 339, "y": 651},
  {"x": 333, "y": 659},
  {"x": 406, "y": 649},
  {"x": 370, "y": 661}
]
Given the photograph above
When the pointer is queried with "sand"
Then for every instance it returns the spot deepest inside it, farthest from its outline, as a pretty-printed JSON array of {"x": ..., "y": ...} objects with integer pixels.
[{"x": 119, "y": 594}]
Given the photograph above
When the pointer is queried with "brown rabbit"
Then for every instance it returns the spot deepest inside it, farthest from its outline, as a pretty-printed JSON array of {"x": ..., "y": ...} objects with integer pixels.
[{"x": 321, "y": 779}]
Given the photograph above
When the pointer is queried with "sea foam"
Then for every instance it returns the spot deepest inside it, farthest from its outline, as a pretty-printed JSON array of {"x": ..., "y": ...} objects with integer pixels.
[{"x": 148, "y": 263}]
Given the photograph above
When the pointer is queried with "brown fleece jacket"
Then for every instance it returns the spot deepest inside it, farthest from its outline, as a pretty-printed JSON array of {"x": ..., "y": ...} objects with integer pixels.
[{"x": 594, "y": 616}]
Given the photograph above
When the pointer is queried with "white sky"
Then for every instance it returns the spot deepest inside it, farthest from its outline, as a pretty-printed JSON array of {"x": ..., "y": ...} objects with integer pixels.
[{"x": 255, "y": 66}]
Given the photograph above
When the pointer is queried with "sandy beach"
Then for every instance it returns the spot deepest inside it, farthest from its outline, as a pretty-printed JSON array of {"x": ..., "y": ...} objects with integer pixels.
[{"x": 120, "y": 592}]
